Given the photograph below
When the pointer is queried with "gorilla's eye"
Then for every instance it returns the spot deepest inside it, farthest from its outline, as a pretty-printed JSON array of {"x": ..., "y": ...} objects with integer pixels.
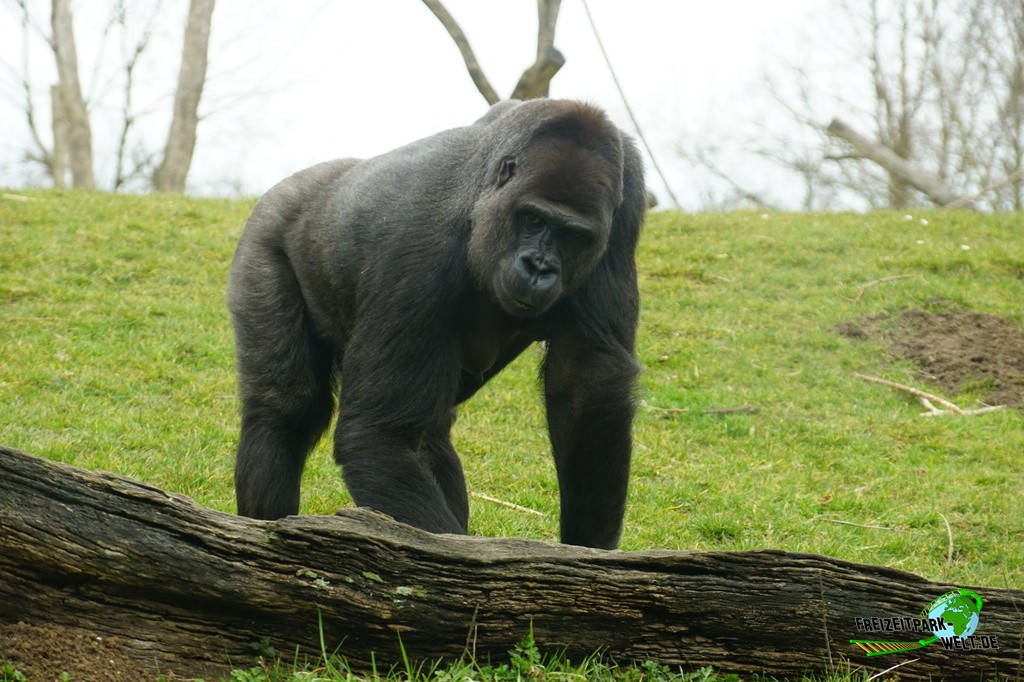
[{"x": 531, "y": 221}]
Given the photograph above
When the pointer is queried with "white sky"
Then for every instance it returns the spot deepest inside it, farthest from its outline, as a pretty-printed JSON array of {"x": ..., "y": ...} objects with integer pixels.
[{"x": 358, "y": 77}]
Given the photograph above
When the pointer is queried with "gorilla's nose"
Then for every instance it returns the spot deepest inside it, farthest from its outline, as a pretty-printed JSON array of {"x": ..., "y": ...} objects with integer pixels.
[{"x": 541, "y": 273}]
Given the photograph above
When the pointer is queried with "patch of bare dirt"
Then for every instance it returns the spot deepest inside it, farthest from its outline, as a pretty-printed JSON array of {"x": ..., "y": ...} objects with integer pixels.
[
  {"x": 43, "y": 653},
  {"x": 954, "y": 349}
]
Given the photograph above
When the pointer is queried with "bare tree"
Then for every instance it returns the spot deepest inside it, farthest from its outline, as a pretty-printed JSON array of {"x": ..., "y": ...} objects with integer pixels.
[
  {"x": 136, "y": 163},
  {"x": 71, "y": 105},
  {"x": 536, "y": 79},
  {"x": 123, "y": 171},
  {"x": 1008, "y": 58},
  {"x": 181, "y": 139},
  {"x": 926, "y": 100},
  {"x": 943, "y": 75}
]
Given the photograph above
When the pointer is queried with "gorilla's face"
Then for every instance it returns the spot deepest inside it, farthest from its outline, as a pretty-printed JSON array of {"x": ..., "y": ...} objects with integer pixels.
[
  {"x": 554, "y": 248},
  {"x": 556, "y": 203}
]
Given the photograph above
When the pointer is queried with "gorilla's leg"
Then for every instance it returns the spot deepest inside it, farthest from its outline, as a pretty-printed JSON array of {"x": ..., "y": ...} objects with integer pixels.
[
  {"x": 444, "y": 464},
  {"x": 285, "y": 385},
  {"x": 590, "y": 410},
  {"x": 394, "y": 474}
]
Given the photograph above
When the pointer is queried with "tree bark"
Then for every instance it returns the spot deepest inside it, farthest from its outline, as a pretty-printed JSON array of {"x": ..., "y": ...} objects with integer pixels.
[
  {"x": 181, "y": 139},
  {"x": 899, "y": 168},
  {"x": 73, "y": 103},
  {"x": 188, "y": 590}
]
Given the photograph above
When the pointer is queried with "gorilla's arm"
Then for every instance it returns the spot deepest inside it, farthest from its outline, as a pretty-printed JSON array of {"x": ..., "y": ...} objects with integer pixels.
[{"x": 589, "y": 376}]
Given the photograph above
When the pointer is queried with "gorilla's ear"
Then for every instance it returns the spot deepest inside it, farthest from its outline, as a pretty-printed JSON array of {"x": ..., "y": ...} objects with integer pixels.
[{"x": 506, "y": 170}]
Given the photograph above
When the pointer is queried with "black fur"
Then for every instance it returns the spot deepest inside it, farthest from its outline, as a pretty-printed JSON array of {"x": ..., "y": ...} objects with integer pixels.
[{"x": 412, "y": 278}]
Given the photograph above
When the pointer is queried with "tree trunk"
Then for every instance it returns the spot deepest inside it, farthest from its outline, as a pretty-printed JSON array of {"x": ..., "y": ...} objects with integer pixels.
[
  {"x": 189, "y": 590},
  {"x": 59, "y": 158},
  {"x": 73, "y": 103},
  {"x": 181, "y": 140},
  {"x": 899, "y": 168},
  {"x": 536, "y": 80}
]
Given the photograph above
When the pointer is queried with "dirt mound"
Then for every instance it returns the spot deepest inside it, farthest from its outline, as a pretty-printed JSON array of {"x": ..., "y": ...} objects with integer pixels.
[
  {"x": 954, "y": 349},
  {"x": 43, "y": 653}
]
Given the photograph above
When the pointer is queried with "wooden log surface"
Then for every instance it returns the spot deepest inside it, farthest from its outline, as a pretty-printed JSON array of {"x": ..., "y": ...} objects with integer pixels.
[{"x": 188, "y": 590}]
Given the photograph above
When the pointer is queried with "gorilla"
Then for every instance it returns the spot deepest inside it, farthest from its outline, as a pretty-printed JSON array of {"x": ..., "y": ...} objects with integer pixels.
[{"x": 404, "y": 282}]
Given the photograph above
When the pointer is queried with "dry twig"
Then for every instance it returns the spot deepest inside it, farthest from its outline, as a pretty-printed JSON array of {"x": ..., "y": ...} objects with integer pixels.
[
  {"x": 864, "y": 287},
  {"x": 928, "y": 400},
  {"x": 739, "y": 409},
  {"x": 965, "y": 202},
  {"x": 889, "y": 670},
  {"x": 936, "y": 412},
  {"x": 861, "y": 525},
  {"x": 949, "y": 548},
  {"x": 510, "y": 505},
  {"x": 916, "y": 392}
]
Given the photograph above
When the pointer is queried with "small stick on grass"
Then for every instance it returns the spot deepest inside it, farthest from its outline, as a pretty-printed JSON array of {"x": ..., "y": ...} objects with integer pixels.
[
  {"x": 889, "y": 670},
  {"x": 510, "y": 505},
  {"x": 967, "y": 413},
  {"x": 864, "y": 287},
  {"x": 862, "y": 525},
  {"x": 739, "y": 409},
  {"x": 916, "y": 392},
  {"x": 949, "y": 548}
]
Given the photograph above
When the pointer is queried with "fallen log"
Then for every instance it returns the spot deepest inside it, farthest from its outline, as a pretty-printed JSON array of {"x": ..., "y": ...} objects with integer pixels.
[{"x": 189, "y": 591}]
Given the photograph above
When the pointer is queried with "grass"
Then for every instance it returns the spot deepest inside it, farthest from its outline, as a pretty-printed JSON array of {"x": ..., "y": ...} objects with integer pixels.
[{"x": 116, "y": 354}]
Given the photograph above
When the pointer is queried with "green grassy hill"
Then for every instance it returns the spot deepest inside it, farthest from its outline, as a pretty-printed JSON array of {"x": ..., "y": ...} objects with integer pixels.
[{"x": 116, "y": 354}]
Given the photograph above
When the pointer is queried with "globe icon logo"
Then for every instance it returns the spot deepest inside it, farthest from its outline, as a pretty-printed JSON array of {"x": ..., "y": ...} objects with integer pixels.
[
  {"x": 960, "y": 613},
  {"x": 951, "y": 619}
]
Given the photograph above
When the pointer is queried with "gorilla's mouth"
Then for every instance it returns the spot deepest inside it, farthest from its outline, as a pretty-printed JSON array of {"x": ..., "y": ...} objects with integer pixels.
[
  {"x": 518, "y": 307},
  {"x": 524, "y": 306},
  {"x": 520, "y": 298}
]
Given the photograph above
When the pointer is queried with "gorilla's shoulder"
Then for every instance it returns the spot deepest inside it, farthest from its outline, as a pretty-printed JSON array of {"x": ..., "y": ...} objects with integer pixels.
[
  {"x": 497, "y": 111},
  {"x": 309, "y": 180}
]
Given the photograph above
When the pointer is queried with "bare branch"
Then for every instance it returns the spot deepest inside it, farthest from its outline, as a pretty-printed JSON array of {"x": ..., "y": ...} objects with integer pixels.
[
  {"x": 933, "y": 187},
  {"x": 462, "y": 42},
  {"x": 129, "y": 117},
  {"x": 964, "y": 202},
  {"x": 43, "y": 154},
  {"x": 916, "y": 392}
]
